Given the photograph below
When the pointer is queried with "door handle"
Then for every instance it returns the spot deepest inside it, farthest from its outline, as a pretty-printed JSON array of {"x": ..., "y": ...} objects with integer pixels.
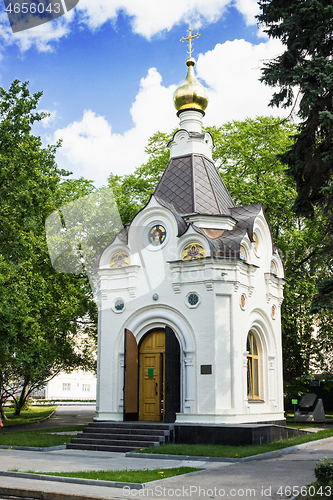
[{"x": 156, "y": 393}]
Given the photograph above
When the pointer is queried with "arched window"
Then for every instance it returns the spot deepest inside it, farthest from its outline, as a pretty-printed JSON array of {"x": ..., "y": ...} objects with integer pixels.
[{"x": 252, "y": 367}]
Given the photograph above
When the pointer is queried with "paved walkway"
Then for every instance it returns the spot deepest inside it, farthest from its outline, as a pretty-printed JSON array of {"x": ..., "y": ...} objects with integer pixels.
[
  {"x": 65, "y": 416},
  {"x": 270, "y": 478}
]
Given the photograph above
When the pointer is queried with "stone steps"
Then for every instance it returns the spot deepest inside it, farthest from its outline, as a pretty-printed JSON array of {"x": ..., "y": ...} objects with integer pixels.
[{"x": 122, "y": 436}]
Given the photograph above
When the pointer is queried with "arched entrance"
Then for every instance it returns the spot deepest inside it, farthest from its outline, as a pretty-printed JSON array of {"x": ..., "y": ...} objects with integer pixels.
[{"x": 152, "y": 376}]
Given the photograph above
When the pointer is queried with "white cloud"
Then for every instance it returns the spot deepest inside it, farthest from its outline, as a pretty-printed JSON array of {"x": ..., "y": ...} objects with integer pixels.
[
  {"x": 40, "y": 36},
  {"x": 91, "y": 148},
  {"x": 249, "y": 9},
  {"x": 231, "y": 70},
  {"x": 148, "y": 18}
]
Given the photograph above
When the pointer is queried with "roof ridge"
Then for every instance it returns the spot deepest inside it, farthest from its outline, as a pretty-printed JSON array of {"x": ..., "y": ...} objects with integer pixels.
[{"x": 211, "y": 185}]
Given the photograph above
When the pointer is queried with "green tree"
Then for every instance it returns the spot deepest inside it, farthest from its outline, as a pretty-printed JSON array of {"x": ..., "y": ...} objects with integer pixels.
[
  {"x": 42, "y": 311},
  {"x": 303, "y": 74}
]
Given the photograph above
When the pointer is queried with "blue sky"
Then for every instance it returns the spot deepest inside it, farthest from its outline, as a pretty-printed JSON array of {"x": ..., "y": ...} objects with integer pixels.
[{"x": 108, "y": 70}]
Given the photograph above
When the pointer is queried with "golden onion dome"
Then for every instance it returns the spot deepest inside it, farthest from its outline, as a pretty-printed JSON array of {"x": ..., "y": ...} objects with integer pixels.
[{"x": 191, "y": 94}]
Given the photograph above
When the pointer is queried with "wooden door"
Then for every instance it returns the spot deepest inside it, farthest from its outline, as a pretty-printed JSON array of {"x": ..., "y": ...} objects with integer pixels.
[
  {"x": 172, "y": 375},
  {"x": 152, "y": 369},
  {"x": 131, "y": 374}
]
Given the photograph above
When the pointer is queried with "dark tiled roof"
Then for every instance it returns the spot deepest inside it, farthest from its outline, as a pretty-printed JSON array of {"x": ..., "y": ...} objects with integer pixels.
[
  {"x": 226, "y": 246},
  {"x": 176, "y": 185},
  {"x": 182, "y": 226},
  {"x": 222, "y": 194},
  {"x": 191, "y": 184},
  {"x": 245, "y": 217}
]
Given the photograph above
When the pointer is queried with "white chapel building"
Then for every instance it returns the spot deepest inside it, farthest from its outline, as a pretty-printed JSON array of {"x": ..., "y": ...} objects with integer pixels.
[{"x": 190, "y": 297}]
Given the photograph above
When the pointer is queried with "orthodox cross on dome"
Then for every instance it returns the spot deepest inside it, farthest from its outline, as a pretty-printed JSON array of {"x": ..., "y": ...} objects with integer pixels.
[{"x": 189, "y": 39}]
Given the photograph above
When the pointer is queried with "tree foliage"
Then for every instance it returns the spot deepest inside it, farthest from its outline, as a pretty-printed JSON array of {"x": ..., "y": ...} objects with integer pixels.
[
  {"x": 42, "y": 312},
  {"x": 303, "y": 74}
]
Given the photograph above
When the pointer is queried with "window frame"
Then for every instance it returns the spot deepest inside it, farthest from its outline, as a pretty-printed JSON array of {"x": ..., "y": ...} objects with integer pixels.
[{"x": 250, "y": 367}]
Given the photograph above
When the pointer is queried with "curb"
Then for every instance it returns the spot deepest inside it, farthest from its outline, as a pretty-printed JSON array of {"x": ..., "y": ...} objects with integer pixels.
[
  {"x": 261, "y": 456},
  {"x": 32, "y": 448},
  {"x": 73, "y": 480},
  {"x": 163, "y": 456},
  {"x": 86, "y": 482},
  {"x": 41, "y": 495}
]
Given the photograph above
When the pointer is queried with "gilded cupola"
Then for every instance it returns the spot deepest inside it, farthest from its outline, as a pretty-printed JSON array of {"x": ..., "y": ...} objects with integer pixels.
[{"x": 191, "y": 94}]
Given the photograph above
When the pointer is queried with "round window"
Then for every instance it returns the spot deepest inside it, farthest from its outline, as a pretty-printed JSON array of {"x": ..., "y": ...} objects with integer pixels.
[{"x": 193, "y": 299}]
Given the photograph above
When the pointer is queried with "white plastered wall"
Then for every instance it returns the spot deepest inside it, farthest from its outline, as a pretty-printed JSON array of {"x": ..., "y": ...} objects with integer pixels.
[{"x": 212, "y": 333}]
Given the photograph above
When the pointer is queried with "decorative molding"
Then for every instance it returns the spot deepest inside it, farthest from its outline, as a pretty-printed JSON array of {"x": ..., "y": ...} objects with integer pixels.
[
  {"x": 271, "y": 287},
  {"x": 209, "y": 285},
  {"x": 189, "y": 358},
  {"x": 212, "y": 221},
  {"x": 176, "y": 278},
  {"x": 125, "y": 277},
  {"x": 271, "y": 362}
]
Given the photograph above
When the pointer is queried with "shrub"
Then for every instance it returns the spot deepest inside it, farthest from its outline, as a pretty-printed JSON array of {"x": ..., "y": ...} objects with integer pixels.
[{"x": 324, "y": 471}]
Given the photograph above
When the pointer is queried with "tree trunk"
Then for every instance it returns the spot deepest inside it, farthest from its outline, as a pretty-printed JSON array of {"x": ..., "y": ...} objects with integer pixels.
[
  {"x": 23, "y": 397},
  {"x": 2, "y": 412}
]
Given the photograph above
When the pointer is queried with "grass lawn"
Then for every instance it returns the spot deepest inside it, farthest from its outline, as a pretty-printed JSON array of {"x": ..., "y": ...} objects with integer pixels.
[
  {"x": 39, "y": 439},
  {"x": 125, "y": 476},
  {"x": 32, "y": 414},
  {"x": 208, "y": 450}
]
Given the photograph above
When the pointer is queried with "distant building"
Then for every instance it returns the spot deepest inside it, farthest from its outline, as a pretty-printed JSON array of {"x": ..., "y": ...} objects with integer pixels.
[{"x": 76, "y": 385}]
